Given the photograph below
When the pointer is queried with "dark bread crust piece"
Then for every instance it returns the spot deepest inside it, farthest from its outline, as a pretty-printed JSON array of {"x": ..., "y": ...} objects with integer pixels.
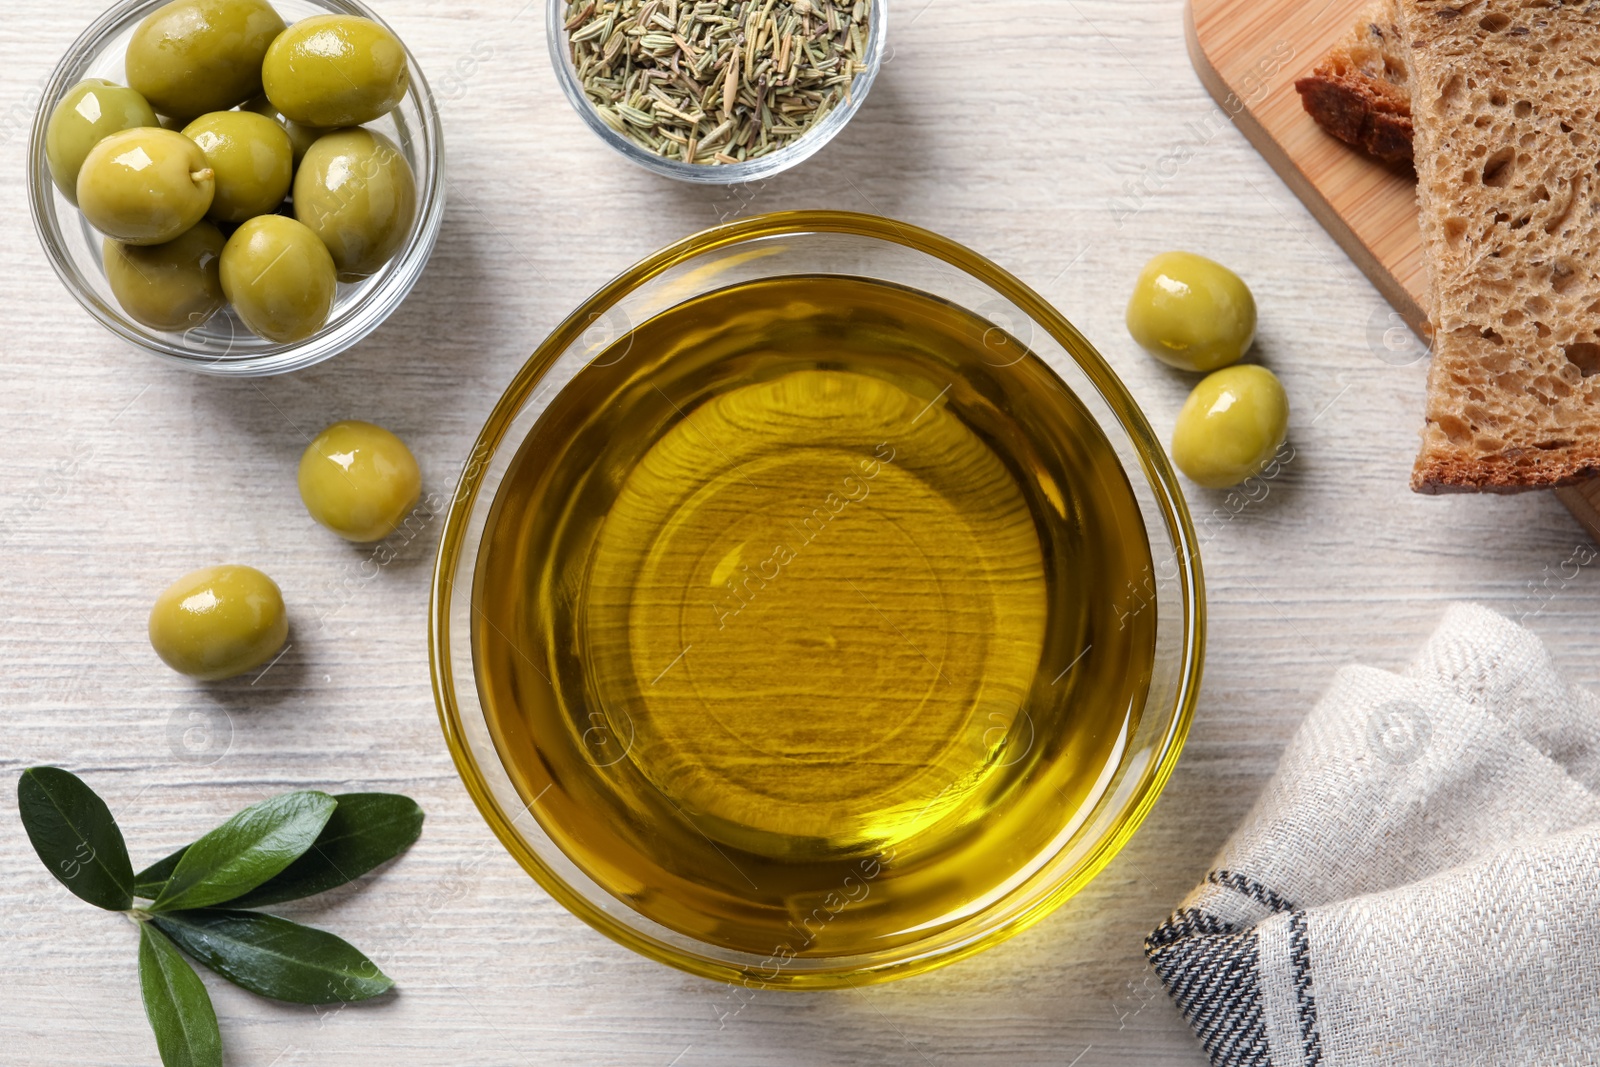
[
  {"x": 1358, "y": 112},
  {"x": 1359, "y": 92}
]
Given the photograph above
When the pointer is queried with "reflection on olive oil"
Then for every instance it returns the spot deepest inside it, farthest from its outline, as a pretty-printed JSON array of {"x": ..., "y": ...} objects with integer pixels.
[{"x": 798, "y": 616}]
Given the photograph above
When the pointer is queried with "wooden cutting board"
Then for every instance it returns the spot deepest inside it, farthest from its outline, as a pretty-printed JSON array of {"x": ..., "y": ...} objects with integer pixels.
[{"x": 1248, "y": 54}]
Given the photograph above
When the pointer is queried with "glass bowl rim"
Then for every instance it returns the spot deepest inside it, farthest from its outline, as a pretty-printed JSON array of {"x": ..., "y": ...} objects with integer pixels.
[
  {"x": 373, "y": 309},
  {"x": 759, "y": 169},
  {"x": 1157, "y": 469}
]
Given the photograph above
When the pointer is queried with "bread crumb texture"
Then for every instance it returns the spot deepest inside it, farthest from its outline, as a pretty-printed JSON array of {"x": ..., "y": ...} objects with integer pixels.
[
  {"x": 1506, "y": 109},
  {"x": 1358, "y": 91}
]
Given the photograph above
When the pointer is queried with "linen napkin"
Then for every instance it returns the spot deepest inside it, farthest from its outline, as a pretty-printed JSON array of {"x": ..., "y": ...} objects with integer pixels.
[{"x": 1420, "y": 881}]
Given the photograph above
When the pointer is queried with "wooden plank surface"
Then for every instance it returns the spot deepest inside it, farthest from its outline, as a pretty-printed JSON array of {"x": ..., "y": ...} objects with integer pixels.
[
  {"x": 1249, "y": 53},
  {"x": 1584, "y": 503},
  {"x": 1066, "y": 139}
]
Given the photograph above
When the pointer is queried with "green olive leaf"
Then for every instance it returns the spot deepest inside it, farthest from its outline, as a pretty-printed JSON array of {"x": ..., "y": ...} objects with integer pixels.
[
  {"x": 274, "y": 957},
  {"x": 366, "y": 829},
  {"x": 245, "y": 851},
  {"x": 149, "y": 882},
  {"x": 75, "y": 836},
  {"x": 177, "y": 1004}
]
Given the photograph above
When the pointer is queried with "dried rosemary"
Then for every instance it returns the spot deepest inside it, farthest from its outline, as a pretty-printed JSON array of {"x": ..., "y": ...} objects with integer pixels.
[{"x": 716, "y": 81}]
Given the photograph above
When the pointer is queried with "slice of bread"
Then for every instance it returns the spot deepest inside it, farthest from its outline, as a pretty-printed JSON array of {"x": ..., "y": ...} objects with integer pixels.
[
  {"x": 1358, "y": 92},
  {"x": 1504, "y": 101}
]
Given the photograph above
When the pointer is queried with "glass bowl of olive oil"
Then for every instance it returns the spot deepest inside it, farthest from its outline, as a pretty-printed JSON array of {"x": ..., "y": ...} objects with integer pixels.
[{"x": 816, "y": 606}]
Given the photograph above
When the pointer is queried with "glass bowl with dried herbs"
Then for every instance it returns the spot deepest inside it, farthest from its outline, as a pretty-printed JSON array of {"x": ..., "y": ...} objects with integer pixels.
[{"x": 716, "y": 91}]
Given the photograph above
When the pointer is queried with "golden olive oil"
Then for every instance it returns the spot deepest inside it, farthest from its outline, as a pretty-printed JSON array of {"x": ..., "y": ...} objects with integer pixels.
[{"x": 797, "y": 621}]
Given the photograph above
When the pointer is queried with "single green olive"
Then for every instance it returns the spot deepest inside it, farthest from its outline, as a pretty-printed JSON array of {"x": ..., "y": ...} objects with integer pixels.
[
  {"x": 191, "y": 57},
  {"x": 335, "y": 70},
  {"x": 1192, "y": 313},
  {"x": 359, "y": 480},
  {"x": 252, "y": 158},
  {"x": 279, "y": 278},
  {"x": 219, "y": 622},
  {"x": 356, "y": 192},
  {"x": 1231, "y": 426},
  {"x": 145, "y": 186},
  {"x": 301, "y": 137},
  {"x": 91, "y": 111},
  {"x": 173, "y": 287}
]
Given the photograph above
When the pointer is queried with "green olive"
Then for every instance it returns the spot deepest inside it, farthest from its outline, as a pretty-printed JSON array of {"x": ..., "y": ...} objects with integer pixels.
[
  {"x": 145, "y": 186},
  {"x": 301, "y": 137},
  {"x": 335, "y": 70},
  {"x": 191, "y": 57},
  {"x": 174, "y": 287},
  {"x": 1192, "y": 313},
  {"x": 356, "y": 192},
  {"x": 91, "y": 111},
  {"x": 253, "y": 160},
  {"x": 1231, "y": 426},
  {"x": 219, "y": 622},
  {"x": 359, "y": 480},
  {"x": 279, "y": 278}
]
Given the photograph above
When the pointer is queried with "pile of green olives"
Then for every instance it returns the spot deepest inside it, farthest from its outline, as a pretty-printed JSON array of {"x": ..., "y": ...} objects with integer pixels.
[
  {"x": 1196, "y": 315},
  {"x": 234, "y": 168},
  {"x": 358, "y": 480}
]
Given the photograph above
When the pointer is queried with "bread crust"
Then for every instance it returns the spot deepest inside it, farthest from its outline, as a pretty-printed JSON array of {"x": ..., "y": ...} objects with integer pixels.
[
  {"x": 1355, "y": 112},
  {"x": 1358, "y": 92},
  {"x": 1502, "y": 474}
]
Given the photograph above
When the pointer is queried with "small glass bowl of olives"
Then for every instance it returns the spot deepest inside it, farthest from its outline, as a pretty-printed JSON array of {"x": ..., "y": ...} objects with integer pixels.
[{"x": 216, "y": 190}]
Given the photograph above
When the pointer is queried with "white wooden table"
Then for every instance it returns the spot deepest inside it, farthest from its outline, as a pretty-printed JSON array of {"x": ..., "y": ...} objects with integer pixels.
[{"x": 1068, "y": 140}]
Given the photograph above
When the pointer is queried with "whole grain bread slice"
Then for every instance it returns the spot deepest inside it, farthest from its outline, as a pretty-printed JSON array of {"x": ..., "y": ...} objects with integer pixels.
[
  {"x": 1506, "y": 108},
  {"x": 1358, "y": 92}
]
